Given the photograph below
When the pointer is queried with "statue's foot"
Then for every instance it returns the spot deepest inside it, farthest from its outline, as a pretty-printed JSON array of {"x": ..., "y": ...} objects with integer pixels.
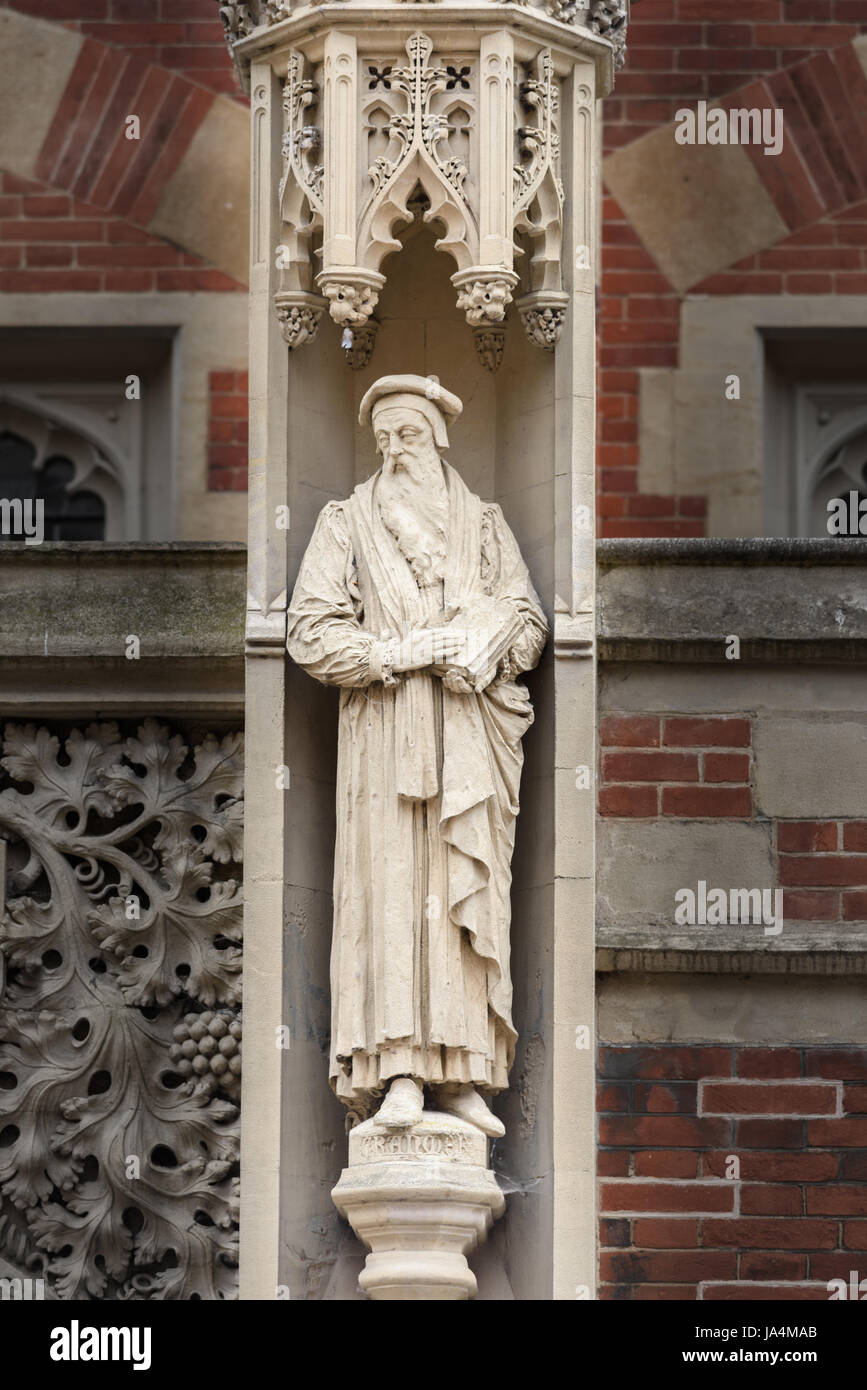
[
  {"x": 467, "y": 1104},
  {"x": 402, "y": 1107}
]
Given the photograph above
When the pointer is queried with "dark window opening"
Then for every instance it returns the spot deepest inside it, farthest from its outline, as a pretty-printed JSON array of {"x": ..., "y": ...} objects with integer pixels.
[{"x": 78, "y": 516}]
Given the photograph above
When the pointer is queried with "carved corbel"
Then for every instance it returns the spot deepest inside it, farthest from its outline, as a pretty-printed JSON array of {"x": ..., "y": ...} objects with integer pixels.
[
  {"x": 483, "y": 295},
  {"x": 490, "y": 345},
  {"x": 352, "y": 296},
  {"x": 542, "y": 316},
  {"x": 300, "y": 314}
]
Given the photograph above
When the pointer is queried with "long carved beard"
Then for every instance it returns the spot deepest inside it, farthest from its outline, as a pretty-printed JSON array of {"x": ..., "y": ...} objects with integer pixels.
[{"x": 414, "y": 505}]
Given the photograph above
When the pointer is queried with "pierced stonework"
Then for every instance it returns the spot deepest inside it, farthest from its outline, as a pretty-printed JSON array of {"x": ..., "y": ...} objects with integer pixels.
[
  {"x": 538, "y": 200},
  {"x": 418, "y": 125},
  {"x": 538, "y": 144},
  {"x": 302, "y": 141},
  {"x": 301, "y": 204},
  {"x": 119, "y": 1024}
]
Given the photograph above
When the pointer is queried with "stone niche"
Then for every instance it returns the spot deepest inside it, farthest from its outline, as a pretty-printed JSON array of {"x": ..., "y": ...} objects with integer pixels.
[
  {"x": 503, "y": 449},
  {"x": 478, "y": 271}
]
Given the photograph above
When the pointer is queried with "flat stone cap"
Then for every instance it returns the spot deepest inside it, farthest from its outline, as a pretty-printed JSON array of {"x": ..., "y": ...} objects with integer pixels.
[{"x": 427, "y": 387}]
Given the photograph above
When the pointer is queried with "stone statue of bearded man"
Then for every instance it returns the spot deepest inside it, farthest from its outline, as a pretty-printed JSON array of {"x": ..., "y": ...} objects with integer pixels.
[{"x": 413, "y": 598}]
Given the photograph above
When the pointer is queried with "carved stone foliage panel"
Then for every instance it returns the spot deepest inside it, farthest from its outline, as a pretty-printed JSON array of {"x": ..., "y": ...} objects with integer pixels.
[{"x": 120, "y": 1027}]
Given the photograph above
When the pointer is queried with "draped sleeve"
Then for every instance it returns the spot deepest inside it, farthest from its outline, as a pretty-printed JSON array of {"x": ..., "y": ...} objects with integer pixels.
[
  {"x": 506, "y": 577},
  {"x": 324, "y": 632}
]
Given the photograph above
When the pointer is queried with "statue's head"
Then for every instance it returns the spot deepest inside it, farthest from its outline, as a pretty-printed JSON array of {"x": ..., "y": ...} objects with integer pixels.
[{"x": 409, "y": 415}]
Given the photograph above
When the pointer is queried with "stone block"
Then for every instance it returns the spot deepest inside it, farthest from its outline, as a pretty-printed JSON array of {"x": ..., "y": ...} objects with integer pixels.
[
  {"x": 810, "y": 767},
  {"x": 641, "y": 865}
]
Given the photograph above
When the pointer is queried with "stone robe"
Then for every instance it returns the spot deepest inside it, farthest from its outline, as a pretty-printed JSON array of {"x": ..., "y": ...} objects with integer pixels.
[{"x": 427, "y": 795}]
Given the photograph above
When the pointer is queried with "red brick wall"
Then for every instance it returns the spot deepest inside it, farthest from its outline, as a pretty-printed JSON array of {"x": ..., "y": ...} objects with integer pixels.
[
  {"x": 823, "y": 868},
  {"x": 51, "y": 241},
  {"x": 227, "y": 432},
  {"x": 675, "y": 765},
  {"x": 793, "y": 53},
  {"x": 82, "y": 224},
  {"x": 694, "y": 767},
  {"x": 674, "y": 1226},
  {"x": 184, "y": 36}
]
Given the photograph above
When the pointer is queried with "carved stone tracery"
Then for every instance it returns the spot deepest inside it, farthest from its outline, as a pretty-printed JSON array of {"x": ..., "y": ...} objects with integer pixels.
[
  {"x": 433, "y": 123},
  {"x": 119, "y": 1024},
  {"x": 418, "y": 126},
  {"x": 538, "y": 202},
  {"x": 419, "y": 102}
]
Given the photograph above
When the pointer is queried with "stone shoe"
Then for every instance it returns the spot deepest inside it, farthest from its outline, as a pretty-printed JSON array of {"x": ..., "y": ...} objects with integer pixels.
[
  {"x": 467, "y": 1104},
  {"x": 402, "y": 1107}
]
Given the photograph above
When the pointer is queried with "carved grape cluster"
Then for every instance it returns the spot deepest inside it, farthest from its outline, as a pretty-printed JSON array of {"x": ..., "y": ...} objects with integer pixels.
[{"x": 207, "y": 1050}]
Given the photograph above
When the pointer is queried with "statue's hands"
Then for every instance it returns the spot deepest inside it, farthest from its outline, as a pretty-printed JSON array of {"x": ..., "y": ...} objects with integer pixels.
[
  {"x": 454, "y": 681},
  {"x": 453, "y": 678},
  {"x": 425, "y": 647}
]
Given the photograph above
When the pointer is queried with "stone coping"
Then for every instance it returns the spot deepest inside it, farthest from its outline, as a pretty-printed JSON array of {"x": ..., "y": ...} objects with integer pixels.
[
  {"x": 802, "y": 949},
  {"x": 112, "y": 551},
  {"x": 787, "y": 601},
  {"x": 71, "y": 608},
  {"x": 753, "y": 550}
]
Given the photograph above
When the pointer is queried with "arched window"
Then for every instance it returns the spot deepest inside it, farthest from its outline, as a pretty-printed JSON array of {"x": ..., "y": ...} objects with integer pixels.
[
  {"x": 842, "y": 472},
  {"x": 68, "y": 514},
  {"x": 80, "y": 482}
]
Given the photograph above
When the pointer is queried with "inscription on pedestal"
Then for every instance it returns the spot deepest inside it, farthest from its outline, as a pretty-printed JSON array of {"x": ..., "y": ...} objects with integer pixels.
[{"x": 374, "y": 1146}]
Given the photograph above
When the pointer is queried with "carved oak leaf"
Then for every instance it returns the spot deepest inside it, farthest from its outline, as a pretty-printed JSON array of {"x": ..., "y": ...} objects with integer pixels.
[
  {"x": 209, "y": 798},
  {"x": 30, "y": 755},
  {"x": 175, "y": 938},
  {"x": 161, "y": 755},
  {"x": 29, "y": 1049},
  {"x": 74, "y": 1228}
]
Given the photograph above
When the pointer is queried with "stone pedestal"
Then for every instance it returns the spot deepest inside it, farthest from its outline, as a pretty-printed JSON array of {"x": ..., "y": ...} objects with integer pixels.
[{"x": 421, "y": 1199}]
